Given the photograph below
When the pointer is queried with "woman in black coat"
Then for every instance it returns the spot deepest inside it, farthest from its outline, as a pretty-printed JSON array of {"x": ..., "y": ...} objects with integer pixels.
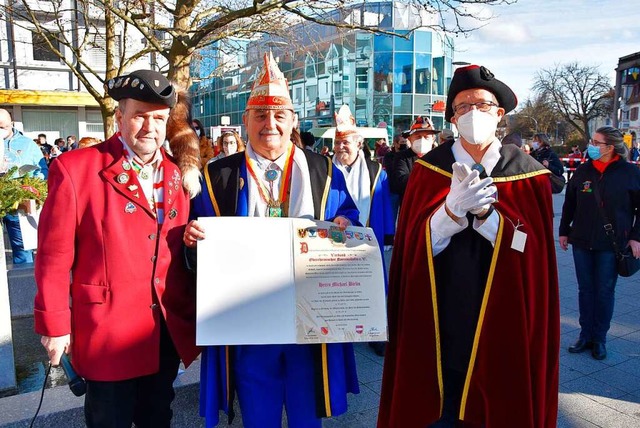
[{"x": 617, "y": 182}]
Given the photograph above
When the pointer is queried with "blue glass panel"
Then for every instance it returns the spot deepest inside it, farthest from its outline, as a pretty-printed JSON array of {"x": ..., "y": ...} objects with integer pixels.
[
  {"x": 403, "y": 73},
  {"x": 423, "y": 73},
  {"x": 382, "y": 43},
  {"x": 423, "y": 40},
  {"x": 402, "y": 44}
]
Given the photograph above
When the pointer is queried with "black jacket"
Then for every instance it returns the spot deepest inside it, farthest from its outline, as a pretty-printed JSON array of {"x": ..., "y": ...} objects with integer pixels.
[
  {"x": 402, "y": 166},
  {"x": 619, "y": 188},
  {"x": 545, "y": 153}
]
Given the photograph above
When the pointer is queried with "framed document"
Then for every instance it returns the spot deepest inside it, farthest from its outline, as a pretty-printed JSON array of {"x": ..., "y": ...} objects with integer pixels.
[{"x": 288, "y": 280}]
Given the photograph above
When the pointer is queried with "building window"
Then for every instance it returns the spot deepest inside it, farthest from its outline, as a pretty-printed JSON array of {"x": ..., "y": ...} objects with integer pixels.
[
  {"x": 41, "y": 50},
  {"x": 633, "y": 114},
  {"x": 94, "y": 122},
  {"x": 95, "y": 53},
  {"x": 310, "y": 67}
]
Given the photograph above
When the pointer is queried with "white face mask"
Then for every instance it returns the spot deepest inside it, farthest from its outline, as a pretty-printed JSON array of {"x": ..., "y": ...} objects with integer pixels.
[
  {"x": 477, "y": 127},
  {"x": 4, "y": 133},
  {"x": 422, "y": 145},
  {"x": 198, "y": 133},
  {"x": 535, "y": 145}
]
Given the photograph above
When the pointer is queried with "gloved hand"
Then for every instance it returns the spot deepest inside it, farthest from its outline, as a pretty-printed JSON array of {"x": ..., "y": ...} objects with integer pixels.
[
  {"x": 460, "y": 171},
  {"x": 470, "y": 193}
]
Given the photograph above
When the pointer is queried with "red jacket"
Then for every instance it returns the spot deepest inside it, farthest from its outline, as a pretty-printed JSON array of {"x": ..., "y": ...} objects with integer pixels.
[{"x": 100, "y": 245}]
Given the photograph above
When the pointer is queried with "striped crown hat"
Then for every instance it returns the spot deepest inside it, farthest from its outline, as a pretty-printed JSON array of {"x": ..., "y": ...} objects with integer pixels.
[{"x": 270, "y": 90}]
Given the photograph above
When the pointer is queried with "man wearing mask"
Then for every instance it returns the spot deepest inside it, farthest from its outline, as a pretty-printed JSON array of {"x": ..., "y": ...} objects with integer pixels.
[
  {"x": 473, "y": 308},
  {"x": 421, "y": 137},
  {"x": 18, "y": 150}
]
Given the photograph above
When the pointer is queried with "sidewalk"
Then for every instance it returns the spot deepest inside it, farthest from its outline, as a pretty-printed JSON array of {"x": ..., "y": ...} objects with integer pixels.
[{"x": 592, "y": 393}]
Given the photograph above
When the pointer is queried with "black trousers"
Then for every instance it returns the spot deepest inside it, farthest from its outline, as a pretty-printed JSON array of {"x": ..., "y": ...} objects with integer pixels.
[{"x": 145, "y": 401}]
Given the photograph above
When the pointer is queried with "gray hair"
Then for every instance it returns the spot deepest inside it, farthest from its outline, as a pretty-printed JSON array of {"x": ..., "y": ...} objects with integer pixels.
[{"x": 613, "y": 137}]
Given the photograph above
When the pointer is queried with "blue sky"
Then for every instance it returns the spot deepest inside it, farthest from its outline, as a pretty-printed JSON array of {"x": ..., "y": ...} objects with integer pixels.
[{"x": 531, "y": 35}]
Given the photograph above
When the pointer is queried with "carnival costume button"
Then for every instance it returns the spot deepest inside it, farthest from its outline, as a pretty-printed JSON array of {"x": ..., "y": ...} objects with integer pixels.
[{"x": 122, "y": 178}]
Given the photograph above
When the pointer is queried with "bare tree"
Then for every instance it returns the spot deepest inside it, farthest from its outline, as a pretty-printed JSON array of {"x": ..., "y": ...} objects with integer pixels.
[
  {"x": 536, "y": 115},
  {"x": 176, "y": 29},
  {"x": 579, "y": 93},
  {"x": 76, "y": 31}
]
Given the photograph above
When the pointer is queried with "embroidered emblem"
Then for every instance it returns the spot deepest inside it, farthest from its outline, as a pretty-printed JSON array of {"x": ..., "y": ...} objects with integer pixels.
[
  {"x": 586, "y": 187},
  {"x": 173, "y": 213},
  {"x": 130, "y": 208}
]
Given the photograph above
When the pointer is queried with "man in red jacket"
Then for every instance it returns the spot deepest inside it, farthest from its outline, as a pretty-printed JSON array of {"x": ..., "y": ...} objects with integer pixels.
[{"x": 112, "y": 288}]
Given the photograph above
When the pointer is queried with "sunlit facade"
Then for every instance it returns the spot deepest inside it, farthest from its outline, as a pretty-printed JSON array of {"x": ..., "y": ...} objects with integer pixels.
[{"x": 382, "y": 78}]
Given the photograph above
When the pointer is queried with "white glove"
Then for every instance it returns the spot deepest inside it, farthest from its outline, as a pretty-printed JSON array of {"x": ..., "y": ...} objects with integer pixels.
[
  {"x": 388, "y": 247},
  {"x": 460, "y": 171},
  {"x": 470, "y": 194}
]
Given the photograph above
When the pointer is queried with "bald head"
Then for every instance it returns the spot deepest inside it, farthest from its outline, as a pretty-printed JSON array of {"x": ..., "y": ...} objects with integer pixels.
[{"x": 6, "y": 125}]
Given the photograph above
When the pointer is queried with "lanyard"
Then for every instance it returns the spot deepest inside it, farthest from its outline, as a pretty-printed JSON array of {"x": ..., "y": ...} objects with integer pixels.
[{"x": 274, "y": 206}]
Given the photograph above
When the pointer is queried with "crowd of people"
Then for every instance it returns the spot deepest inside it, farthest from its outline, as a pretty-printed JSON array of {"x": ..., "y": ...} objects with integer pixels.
[{"x": 473, "y": 300}]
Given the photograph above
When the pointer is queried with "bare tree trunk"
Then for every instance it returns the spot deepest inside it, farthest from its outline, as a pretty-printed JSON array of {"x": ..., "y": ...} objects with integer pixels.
[
  {"x": 180, "y": 53},
  {"x": 108, "y": 108},
  {"x": 107, "y": 104}
]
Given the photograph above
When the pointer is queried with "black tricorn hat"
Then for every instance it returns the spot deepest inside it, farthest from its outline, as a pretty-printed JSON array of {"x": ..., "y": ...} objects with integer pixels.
[
  {"x": 143, "y": 85},
  {"x": 478, "y": 77}
]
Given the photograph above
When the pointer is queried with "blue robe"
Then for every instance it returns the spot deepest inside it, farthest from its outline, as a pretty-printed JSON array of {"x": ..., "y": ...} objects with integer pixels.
[
  {"x": 225, "y": 193},
  {"x": 381, "y": 216}
]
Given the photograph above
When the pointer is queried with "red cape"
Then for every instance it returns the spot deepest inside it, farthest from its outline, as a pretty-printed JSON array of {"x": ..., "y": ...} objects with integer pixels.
[{"x": 512, "y": 379}]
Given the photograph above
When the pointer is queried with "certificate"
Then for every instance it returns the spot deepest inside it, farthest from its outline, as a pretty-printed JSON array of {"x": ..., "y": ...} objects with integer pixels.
[{"x": 286, "y": 280}]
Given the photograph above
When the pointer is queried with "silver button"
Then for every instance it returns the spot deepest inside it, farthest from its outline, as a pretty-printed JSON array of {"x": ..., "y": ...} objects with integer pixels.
[
  {"x": 152, "y": 236},
  {"x": 157, "y": 280},
  {"x": 153, "y": 259},
  {"x": 154, "y": 306}
]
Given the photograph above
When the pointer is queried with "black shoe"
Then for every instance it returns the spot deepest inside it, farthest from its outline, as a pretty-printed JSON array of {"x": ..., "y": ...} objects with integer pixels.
[
  {"x": 599, "y": 351},
  {"x": 378, "y": 348},
  {"x": 580, "y": 346}
]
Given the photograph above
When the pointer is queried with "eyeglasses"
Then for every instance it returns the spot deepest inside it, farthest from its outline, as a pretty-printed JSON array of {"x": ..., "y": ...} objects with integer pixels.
[
  {"x": 598, "y": 143},
  {"x": 483, "y": 106}
]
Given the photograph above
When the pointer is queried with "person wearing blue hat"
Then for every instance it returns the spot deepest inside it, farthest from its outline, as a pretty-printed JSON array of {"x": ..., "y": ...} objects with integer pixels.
[
  {"x": 473, "y": 307},
  {"x": 111, "y": 243}
]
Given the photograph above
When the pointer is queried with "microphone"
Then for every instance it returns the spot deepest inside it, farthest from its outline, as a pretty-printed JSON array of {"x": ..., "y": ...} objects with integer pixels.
[{"x": 76, "y": 383}]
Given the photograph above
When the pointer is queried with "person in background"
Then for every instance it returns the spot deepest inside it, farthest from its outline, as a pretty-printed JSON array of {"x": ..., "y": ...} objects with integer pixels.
[
  {"x": 270, "y": 377},
  {"x": 474, "y": 323},
  {"x": 381, "y": 149},
  {"x": 72, "y": 142},
  {"x": 44, "y": 145},
  {"x": 368, "y": 186},
  {"x": 399, "y": 144},
  {"x": 582, "y": 225},
  {"x": 229, "y": 142},
  {"x": 19, "y": 151},
  {"x": 110, "y": 241},
  {"x": 206, "y": 149},
  {"x": 575, "y": 158},
  {"x": 548, "y": 158},
  {"x": 446, "y": 136},
  {"x": 634, "y": 154},
  {"x": 421, "y": 137},
  {"x": 308, "y": 140}
]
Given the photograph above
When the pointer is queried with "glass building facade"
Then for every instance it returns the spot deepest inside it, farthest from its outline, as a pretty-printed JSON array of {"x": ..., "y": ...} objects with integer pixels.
[{"x": 382, "y": 78}]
